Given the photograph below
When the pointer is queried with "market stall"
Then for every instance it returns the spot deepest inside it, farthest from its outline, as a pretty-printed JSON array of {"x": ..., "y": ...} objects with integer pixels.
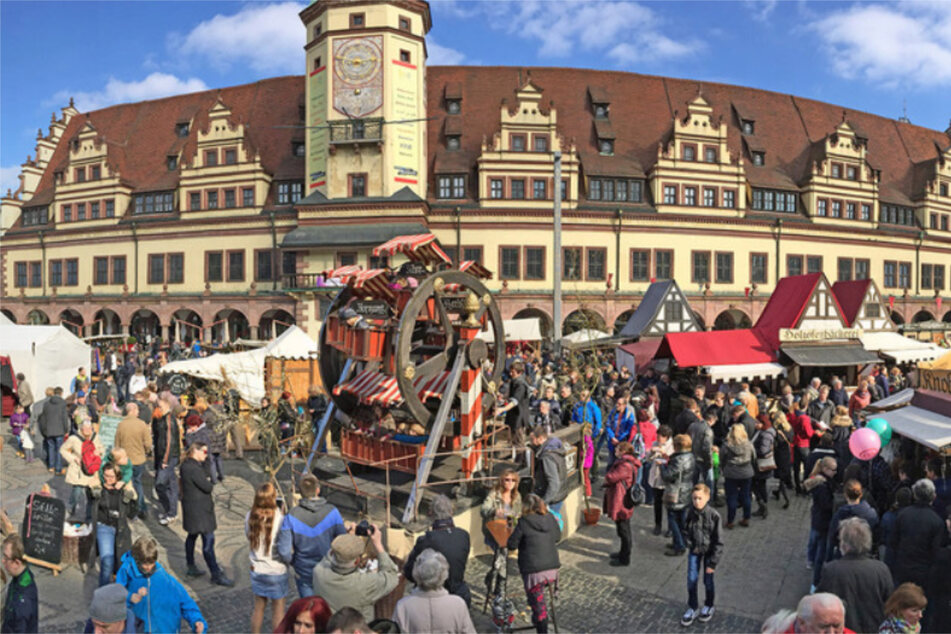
[
  {"x": 664, "y": 309},
  {"x": 48, "y": 356}
]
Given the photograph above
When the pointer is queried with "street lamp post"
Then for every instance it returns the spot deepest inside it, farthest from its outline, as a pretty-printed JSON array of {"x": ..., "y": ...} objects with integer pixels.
[{"x": 556, "y": 257}]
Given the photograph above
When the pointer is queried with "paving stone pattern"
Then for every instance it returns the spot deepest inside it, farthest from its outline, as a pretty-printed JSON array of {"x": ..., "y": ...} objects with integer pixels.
[{"x": 762, "y": 569}]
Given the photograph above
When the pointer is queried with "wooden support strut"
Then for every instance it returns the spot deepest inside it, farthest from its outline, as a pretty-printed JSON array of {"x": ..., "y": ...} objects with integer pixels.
[
  {"x": 327, "y": 417},
  {"x": 435, "y": 435}
]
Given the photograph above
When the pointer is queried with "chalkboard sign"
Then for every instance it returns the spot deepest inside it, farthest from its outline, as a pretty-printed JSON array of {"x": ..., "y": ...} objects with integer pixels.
[
  {"x": 454, "y": 304},
  {"x": 374, "y": 309},
  {"x": 43, "y": 528},
  {"x": 414, "y": 269},
  {"x": 107, "y": 430}
]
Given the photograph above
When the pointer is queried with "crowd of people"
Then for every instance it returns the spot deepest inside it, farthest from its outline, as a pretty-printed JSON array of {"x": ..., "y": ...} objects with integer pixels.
[{"x": 682, "y": 449}]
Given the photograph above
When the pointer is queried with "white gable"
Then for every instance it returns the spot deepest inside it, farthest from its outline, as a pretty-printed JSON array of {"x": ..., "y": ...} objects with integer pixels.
[
  {"x": 821, "y": 311},
  {"x": 873, "y": 313}
]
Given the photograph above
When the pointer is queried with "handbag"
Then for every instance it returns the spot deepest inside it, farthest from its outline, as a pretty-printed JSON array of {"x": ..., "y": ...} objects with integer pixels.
[
  {"x": 767, "y": 462},
  {"x": 671, "y": 496}
]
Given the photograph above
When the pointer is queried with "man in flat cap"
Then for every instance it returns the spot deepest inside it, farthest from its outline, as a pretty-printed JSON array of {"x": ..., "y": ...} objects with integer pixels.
[
  {"x": 108, "y": 613},
  {"x": 338, "y": 578}
]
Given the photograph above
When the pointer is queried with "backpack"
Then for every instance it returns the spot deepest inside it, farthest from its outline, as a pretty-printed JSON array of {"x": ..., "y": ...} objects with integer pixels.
[
  {"x": 90, "y": 461},
  {"x": 640, "y": 447}
]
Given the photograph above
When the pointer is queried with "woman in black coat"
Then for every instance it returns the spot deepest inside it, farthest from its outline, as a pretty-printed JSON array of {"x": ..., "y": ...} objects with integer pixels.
[
  {"x": 764, "y": 443},
  {"x": 198, "y": 514},
  {"x": 783, "y": 454},
  {"x": 536, "y": 539}
]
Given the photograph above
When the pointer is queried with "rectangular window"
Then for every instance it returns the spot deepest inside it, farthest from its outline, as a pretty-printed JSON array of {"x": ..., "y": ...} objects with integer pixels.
[
  {"x": 926, "y": 270},
  {"x": 768, "y": 198},
  {"x": 94, "y": 210},
  {"x": 72, "y": 272},
  {"x": 67, "y": 213},
  {"x": 100, "y": 270},
  {"x": 636, "y": 189},
  {"x": 405, "y": 56},
  {"x": 607, "y": 189},
  {"x": 404, "y": 24},
  {"x": 518, "y": 143},
  {"x": 231, "y": 156},
  {"x": 80, "y": 174},
  {"x": 118, "y": 269},
  {"x": 247, "y": 197},
  {"x": 700, "y": 272},
  {"x": 346, "y": 258},
  {"x": 156, "y": 269},
  {"x": 212, "y": 200},
  {"x": 289, "y": 262},
  {"x": 729, "y": 199},
  {"x": 458, "y": 186},
  {"x": 873, "y": 310},
  {"x": 539, "y": 189},
  {"x": 471, "y": 253},
  {"x": 938, "y": 277},
  {"x": 518, "y": 188},
  {"x": 181, "y": 129},
  {"x": 379, "y": 261},
  {"x": 670, "y": 194},
  {"x": 890, "y": 276},
  {"x": 904, "y": 274},
  {"x": 933, "y": 221},
  {"x": 814, "y": 264},
  {"x": 564, "y": 190},
  {"x": 264, "y": 265},
  {"x": 110, "y": 209},
  {"x": 709, "y": 197},
  {"x": 596, "y": 270},
  {"x": 283, "y": 193},
  {"x": 640, "y": 265},
  {"x": 851, "y": 173},
  {"x": 443, "y": 187},
  {"x": 36, "y": 274},
  {"x": 572, "y": 264},
  {"x": 710, "y": 154},
  {"x": 758, "y": 268},
  {"x": 235, "y": 266},
  {"x": 620, "y": 191},
  {"x": 836, "y": 170},
  {"x": 724, "y": 268},
  {"x": 862, "y": 268},
  {"x": 793, "y": 265},
  {"x": 211, "y": 158},
  {"x": 194, "y": 201},
  {"x": 944, "y": 223},
  {"x": 56, "y": 272},
  {"x": 791, "y": 203},
  {"x": 358, "y": 185},
  {"x": 357, "y": 20},
  {"x": 850, "y": 211},
  {"x": 297, "y": 189},
  {"x": 509, "y": 264},
  {"x": 534, "y": 263},
  {"x": 495, "y": 188},
  {"x": 663, "y": 264},
  {"x": 171, "y": 163},
  {"x": 836, "y": 208},
  {"x": 844, "y": 270},
  {"x": 80, "y": 211},
  {"x": 690, "y": 196},
  {"x": 230, "y": 202},
  {"x": 213, "y": 266},
  {"x": 690, "y": 152},
  {"x": 96, "y": 172},
  {"x": 540, "y": 143},
  {"x": 673, "y": 310},
  {"x": 866, "y": 211},
  {"x": 594, "y": 189},
  {"x": 176, "y": 268},
  {"x": 20, "y": 281},
  {"x": 822, "y": 208}
]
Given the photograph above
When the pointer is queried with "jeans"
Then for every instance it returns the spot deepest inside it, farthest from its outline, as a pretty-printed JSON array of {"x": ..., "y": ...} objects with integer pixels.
[
  {"x": 624, "y": 534},
  {"x": 760, "y": 491},
  {"x": 207, "y": 551},
  {"x": 166, "y": 487},
  {"x": 51, "y": 445},
  {"x": 217, "y": 473},
  {"x": 648, "y": 489},
  {"x": 305, "y": 585},
  {"x": 79, "y": 492},
  {"x": 738, "y": 489},
  {"x": 820, "y": 556},
  {"x": 675, "y": 521},
  {"x": 137, "y": 471},
  {"x": 705, "y": 475},
  {"x": 694, "y": 563},
  {"x": 106, "y": 542},
  {"x": 799, "y": 457}
]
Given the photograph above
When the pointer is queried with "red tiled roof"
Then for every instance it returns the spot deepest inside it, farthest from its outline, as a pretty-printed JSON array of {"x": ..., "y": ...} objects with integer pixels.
[
  {"x": 850, "y": 295},
  {"x": 716, "y": 347}
]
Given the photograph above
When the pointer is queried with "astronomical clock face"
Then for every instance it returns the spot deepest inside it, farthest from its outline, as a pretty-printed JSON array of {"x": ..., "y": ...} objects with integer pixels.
[{"x": 358, "y": 75}]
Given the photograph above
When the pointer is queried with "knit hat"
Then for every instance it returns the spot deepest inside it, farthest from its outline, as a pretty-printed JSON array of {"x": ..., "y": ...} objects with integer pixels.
[
  {"x": 108, "y": 604},
  {"x": 347, "y": 548}
]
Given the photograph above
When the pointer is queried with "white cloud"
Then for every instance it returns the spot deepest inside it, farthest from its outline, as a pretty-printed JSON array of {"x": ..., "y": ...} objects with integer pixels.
[
  {"x": 268, "y": 38},
  {"x": 9, "y": 178},
  {"x": 155, "y": 86},
  {"x": 443, "y": 55},
  {"x": 626, "y": 32},
  {"x": 893, "y": 44},
  {"x": 761, "y": 9}
]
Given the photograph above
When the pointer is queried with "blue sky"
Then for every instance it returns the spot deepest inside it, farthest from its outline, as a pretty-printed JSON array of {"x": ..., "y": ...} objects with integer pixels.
[{"x": 870, "y": 56}]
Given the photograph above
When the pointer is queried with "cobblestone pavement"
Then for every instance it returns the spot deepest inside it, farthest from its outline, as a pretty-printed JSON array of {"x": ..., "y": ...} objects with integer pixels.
[{"x": 762, "y": 568}]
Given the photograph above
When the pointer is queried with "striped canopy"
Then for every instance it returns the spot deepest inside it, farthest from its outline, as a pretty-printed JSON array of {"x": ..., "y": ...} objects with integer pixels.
[
  {"x": 421, "y": 247},
  {"x": 474, "y": 268},
  {"x": 371, "y": 283},
  {"x": 376, "y": 388},
  {"x": 342, "y": 272}
]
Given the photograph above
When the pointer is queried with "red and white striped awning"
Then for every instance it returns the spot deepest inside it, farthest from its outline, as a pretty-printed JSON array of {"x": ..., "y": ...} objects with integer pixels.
[
  {"x": 342, "y": 272},
  {"x": 421, "y": 247},
  {"x": 371, "y": 283},
  {"x": 474, "y": 268},
  {"x": 376, "y": 388}
]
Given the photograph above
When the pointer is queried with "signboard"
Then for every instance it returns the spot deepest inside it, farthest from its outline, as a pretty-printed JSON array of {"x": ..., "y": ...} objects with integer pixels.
[
  {"x": 43, "y": 528},
  {"x": 935, "y": 380},
  {"x": 787, "y": 335},
  {"x": 107, "y": 430},
  {"x": 455, "y": 304},
  {"x": 408, "y": 131},
  {"x": 414, "y": 269},
  {"x": 317, "y": 133},
  {"x": 372, "y": 308}
]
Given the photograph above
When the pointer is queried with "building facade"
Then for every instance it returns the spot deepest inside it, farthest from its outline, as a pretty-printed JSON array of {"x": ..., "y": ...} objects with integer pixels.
[{"x": 213, "y": 214}]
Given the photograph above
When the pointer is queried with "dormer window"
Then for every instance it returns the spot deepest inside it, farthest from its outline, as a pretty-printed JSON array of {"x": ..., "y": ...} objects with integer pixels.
[
  {"x": 453, "y": 106},
  {"x": 748, "y": 126},
  {"x": 80, "y": 174},
  {"x": 836, "y": 170},
  {"x": 759, "y": 158},
  {"x": 58, "y": 177},
  {"x": 453, "y": 142},
  {"x": 298, "y": 148},
  {"x": 943, "y": 188},
  {"x": 606, "y": 146},
  {"x": 171, "y": 163},
  {"x": 181, "y": 129},
  {"x": 851, "y": 173},
  {"x": 690, "y": 153},
  {"x": 518, "y": 142},
  {"x": 96, "y": 172},
  {"x": 601, "y": 111},
  {"x": 710, "y": 155}
]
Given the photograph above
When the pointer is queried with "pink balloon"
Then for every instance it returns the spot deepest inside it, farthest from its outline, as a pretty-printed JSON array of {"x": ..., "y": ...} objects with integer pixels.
[{"x": 865, "y": 443}]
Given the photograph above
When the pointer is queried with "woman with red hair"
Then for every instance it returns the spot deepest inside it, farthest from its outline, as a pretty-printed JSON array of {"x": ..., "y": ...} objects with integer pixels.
[{"x": 307, "y": 615}]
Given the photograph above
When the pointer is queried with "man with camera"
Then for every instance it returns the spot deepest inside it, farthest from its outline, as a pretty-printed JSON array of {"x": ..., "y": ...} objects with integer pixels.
[{"x": 346, "y": 576}]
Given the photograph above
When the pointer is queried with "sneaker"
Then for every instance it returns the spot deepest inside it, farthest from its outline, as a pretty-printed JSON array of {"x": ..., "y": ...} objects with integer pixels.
[
  {"x": 706, "y": 613},
  {"x": 688, "y": 618},
  {"x": 163, "y": 519},
  {"x": 808, "y": 565},
  {"x": 194, "y": 571},
  {"x": 172, "y": 519},
  {"x": 221, "y": 580}
]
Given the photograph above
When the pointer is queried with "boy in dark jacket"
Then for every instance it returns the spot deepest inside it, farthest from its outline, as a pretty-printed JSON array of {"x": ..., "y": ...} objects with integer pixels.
[
  {"x": 21, "y": 607},
  {"x": 704, "y": 548}
]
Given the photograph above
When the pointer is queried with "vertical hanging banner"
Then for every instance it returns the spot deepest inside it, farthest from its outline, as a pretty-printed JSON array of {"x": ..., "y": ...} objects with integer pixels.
[
  {"x": 318, "y": 132},
  {"x": 406, "y": 109}
]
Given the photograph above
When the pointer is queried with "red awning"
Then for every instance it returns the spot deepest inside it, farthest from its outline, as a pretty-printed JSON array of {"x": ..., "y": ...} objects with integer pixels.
[
  {"x": 421, "y": 247},
  {"x": 372, "y": 283},
  {"x": 474, "y": 268},
  {"x": 643, "y": 351},
  {"x": 342, "y": 272},
  {"x": 718, "y": 347},
  {"x": 376, "y": 388}
]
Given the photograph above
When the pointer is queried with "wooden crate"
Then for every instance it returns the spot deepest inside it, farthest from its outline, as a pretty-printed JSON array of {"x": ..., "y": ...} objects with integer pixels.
[{"x": 290, "y": 375}]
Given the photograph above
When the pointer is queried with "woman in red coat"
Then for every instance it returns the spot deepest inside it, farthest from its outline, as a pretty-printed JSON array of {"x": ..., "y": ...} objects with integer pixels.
[{"x": 617, "y": 481}]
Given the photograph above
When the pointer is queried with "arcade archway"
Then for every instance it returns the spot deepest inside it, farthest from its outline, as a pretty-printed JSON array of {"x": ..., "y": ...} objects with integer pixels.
[
  {"x": 581, "y": 319},
  {"x": 732, "y": 319},
  {"x": 274, "y": 322}
]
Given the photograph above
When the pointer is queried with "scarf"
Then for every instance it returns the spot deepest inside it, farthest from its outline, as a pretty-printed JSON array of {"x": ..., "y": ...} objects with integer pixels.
[{"x": 898, "y": 625}]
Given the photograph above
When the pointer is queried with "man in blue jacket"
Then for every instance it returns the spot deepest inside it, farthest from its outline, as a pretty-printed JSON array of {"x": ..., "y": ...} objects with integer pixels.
[
  {"x": 587, "y": 411},
  {"x": 306, "y": 533},
  {"x": 158, "y": 601},
  {"x": 620, "y": 425}
]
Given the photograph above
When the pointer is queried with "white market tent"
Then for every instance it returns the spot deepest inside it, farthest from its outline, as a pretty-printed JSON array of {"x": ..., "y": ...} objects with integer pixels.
[
  {"x": 245, "y": 370},
  {"x": 899, "y": 348},
  {"x": 923, "y": 426},
  {"x": 515, "y": 330},
  {"x": 48, "y": 356},
  {"x": 586, "y": 335},
  {"x": 744, "y": 371}
]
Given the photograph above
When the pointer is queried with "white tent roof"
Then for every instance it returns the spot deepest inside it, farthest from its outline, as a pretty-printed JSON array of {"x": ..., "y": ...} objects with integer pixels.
[
  {"x": 923, "y": 426},
  {"x": 515, "y": 330},
  {"x": 586, "y": 335},
  {"x": 744, "y": 371},
  {"x": 246, "y": 369},
  {"x": 48, "y": 356},
  {"x": 5, "y": 321},
  {"x": 900, "y": 348}
]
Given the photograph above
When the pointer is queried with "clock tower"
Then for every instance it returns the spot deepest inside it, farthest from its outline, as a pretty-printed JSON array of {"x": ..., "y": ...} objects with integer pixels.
[{"x": 366, "y": 97}]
